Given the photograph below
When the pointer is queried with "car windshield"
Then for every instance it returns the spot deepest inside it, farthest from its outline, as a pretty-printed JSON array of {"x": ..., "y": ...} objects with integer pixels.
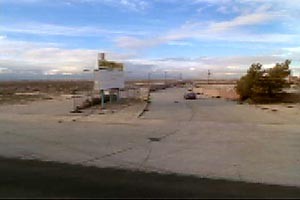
[{"x": 149, "y": 99}]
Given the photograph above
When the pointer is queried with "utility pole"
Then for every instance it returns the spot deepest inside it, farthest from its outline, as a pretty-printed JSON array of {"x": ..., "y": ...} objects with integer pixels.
[
  {"x": 149, "y": 79},
  {"x": 208, "y": 76},
  {"x": 165, "y": 77},
  {"x": 102, "y": 95}
]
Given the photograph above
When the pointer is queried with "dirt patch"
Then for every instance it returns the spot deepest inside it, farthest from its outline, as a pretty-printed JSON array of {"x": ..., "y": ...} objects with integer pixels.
[{"x": 14, "y": 92}]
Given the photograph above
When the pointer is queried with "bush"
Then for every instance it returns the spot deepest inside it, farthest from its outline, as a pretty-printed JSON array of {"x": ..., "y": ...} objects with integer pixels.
[{"x": 259, "y": 83}]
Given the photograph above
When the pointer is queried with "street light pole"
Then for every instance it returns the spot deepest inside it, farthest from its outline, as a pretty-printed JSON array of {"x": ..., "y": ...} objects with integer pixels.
[
  {"x": 165, "y": 77},
  {"x": 149, "y": 78},
  {"x": 208, "y": 76},
  {"x": 101, "y": 91}
]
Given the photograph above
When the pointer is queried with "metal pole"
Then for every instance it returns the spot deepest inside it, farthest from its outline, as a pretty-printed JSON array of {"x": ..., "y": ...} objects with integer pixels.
[
  {"x": 91, "y": 92},
  {"x": 118, "y": 94},
  {"x": 208, "y": 75},
  {"x": 110, "y": 96},
  {"x": 149, "y": 79},
  {"x": 102, "y": 98},
  {"x": 74, "y": 108}
]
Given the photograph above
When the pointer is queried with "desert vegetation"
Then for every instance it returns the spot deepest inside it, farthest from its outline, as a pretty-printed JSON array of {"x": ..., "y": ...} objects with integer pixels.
[
  {"x": 24, "y": 91},
  {"x": 264, "y": 85}
]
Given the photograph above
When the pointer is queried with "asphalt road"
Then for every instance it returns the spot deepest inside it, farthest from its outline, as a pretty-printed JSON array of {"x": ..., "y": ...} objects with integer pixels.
[{"x": 206, "y": 137}]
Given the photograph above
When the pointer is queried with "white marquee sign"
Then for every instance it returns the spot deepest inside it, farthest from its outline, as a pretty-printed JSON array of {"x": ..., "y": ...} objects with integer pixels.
[{"x": 105, "y": 79}]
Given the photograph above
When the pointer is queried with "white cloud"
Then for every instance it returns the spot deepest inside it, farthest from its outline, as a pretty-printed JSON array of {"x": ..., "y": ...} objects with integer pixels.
[
  {"x": 52, "y": 58},
  {"x": 245, "y": 20},
  {"x": 225, "y": 30},
  {"x": 180, "y": 43},
  {"x": 52, "y": 29},
  {"x": 220, "y": 66},
  {"x": 293, "y": 49},
  {"x": 4, "y": 70},
  {"x": 43, "y": 58},
  {"x": 132, "y": 5},
  {"x": 46, "y": 57},
  {"x": 292, "y": 53},
  {"x": 135, "y": 43},
  {"x": 250, "y": 6},
  {"x": 135, "y": 5}
]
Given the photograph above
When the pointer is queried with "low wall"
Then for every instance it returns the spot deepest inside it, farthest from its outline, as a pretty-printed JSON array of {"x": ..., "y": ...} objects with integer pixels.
[
  {"x": 223, "y": 91},
  {"x": 138, "y": 93},
  {"x": 85, "y": 100}
]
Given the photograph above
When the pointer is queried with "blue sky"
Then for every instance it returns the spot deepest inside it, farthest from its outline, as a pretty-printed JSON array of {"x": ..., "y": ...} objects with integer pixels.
[{"x": 41, "y": 37}]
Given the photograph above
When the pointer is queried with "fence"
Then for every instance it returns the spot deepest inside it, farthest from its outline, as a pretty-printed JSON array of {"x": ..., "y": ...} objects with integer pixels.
[{"x": 81, "y": 101}]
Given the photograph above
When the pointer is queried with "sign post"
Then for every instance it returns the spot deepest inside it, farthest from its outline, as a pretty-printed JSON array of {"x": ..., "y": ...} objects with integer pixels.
[
  {"x": 102, "y": 98},
  {"x": 108, "y": 77}
]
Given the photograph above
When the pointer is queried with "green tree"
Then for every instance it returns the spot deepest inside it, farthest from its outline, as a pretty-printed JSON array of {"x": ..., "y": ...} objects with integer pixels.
[
  {"x": 274, "y": 79},
  {"x": 259, "y": 82},
  {"x": 246, "y": 83}
]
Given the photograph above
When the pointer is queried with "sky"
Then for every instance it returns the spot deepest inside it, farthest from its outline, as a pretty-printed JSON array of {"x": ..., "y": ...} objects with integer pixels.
[{"x": 42, "y": 38}]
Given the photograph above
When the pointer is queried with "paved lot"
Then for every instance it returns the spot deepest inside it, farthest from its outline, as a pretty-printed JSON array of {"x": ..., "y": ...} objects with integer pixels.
[{"x": 207, "y": 137}]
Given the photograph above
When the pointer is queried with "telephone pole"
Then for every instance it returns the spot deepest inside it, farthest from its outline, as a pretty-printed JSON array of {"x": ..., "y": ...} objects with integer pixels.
[{"x": 208, "y": 76}]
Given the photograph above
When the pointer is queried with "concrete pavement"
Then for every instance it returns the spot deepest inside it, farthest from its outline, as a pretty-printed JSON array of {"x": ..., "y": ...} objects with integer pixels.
[{"x": 207, "y": 137}]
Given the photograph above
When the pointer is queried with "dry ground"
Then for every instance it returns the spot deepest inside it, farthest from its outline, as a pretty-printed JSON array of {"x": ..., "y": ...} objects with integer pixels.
[{"x": 210, "y": 138}]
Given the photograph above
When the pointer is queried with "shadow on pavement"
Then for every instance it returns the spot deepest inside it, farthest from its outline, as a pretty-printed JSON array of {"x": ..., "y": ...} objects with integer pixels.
[{"x": 32, "y": 179}]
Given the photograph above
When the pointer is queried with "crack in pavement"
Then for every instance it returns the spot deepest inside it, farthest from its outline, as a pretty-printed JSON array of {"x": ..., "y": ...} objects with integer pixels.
[
  {"x": 94, "y": 159},
  {"x": 147, "y": 156}
]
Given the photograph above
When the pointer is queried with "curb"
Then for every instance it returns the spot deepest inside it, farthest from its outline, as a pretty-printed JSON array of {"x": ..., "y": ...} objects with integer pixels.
[{"x": 145, "y": 108}]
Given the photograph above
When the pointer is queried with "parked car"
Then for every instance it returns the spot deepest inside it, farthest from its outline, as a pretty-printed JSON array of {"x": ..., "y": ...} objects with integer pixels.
[{"x": 190, "y": 95}]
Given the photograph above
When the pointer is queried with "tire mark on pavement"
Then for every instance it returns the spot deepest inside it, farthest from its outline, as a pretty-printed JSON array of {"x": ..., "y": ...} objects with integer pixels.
[{"x": 193, "y": 113}]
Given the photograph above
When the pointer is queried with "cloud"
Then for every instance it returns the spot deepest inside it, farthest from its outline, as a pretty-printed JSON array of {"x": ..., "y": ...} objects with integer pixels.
[
  {"x": 48, "y": 57},
  {"x": 240, "y": 21},
  {"x": 132, "y": 5},
  {"x": 4, "y": 70},
  {"x": 180, "y": 43},
  {"x": 59, "y": 30},
  {"x": 292, "y": 53},
  {"x": 249, "y": 6},
  {"x": 293, "y": 49},
  {"x": 21, "y": 57},
  {"x": 134, "y": 43},
  {"x": 225, "y": 30},
  {"x": 220, "y": 66}
]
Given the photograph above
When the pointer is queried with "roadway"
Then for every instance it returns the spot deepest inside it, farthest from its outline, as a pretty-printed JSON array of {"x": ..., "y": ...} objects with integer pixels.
[{"x": 206, "y": 137}]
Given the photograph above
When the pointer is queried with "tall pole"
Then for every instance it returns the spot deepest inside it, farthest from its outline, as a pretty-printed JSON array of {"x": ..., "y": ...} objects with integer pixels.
[
  {"x": 180, "y": 76},
  {"x": 165, "y": 77},
  {"x": 102, "y": 98},
  {"x": 92, "y": 88},
  {"x": 149, "y": 74},
  {"x": 149, "y": 88},
  {"x": 208, "y": 76}
]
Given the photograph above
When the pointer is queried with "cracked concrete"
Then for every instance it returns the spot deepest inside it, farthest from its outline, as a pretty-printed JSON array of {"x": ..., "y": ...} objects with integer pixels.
[{"x": 207, "y": 137}]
